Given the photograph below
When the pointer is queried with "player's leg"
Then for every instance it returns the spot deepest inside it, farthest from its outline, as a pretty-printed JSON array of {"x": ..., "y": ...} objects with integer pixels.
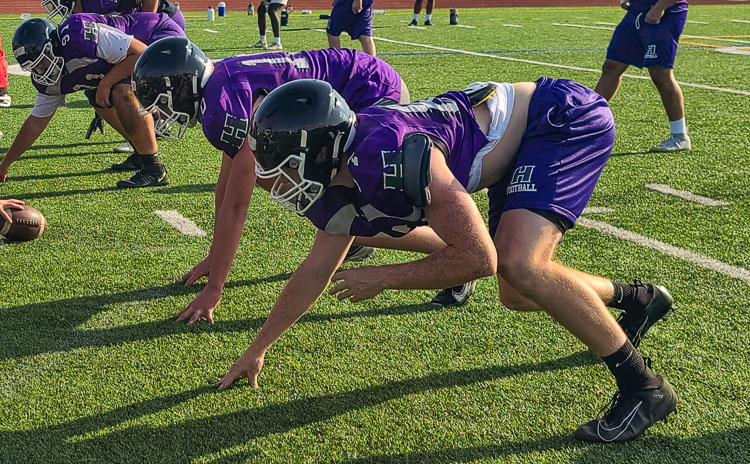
[
  {"x": 334, "y": 41},
  {"x": 609, "y": 81},
  {"x": 526, "y": 243},
  {"x": 140, "y": 131},
  {"x": 661, "y": 40},
  {"x": 405, "y": 97},
  {"x": 428, "y": 13},
  {"x": 417, "y": 10},
  {"x": 368, "y": 45},
  {"x": 261, "y": 43},
  {"x": 624, "y": 49},
  {"x": 273, "y": 13}
]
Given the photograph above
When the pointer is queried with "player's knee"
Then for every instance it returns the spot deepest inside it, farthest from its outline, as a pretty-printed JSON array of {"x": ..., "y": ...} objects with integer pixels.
[
  {"x": 121, "y": 94},
  {"x": 612, "y": 68},
  {"x": 518, "y": 269}
]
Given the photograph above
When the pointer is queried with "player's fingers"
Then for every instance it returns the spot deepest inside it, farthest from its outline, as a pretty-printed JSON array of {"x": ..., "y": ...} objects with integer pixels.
[
  {"x": 345, "y": 295},
  {"x": 339, "y": 275},
  {"x": 15, "y": 204},
  {"x": 253, "y": 379},
  {"x": 337, "y": 288},
  {"x": 6, "y": 216},
  {"x": 197, "y": 315},
  {"x": 185, "y": 313},
  {"x": 227, "y": 380},
  {"x": 192, "y": 278}
]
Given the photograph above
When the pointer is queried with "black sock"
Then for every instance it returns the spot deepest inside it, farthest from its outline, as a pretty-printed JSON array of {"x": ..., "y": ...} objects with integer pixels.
[
  {"x": 3, "y": 91},
  {"x": 152, "y": 162},
  {"x": 630, "y": 369},
  {"x": 630, "y": 297}
]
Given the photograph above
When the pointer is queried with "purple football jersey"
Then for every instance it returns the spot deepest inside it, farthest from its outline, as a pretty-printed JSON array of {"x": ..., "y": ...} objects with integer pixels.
[
  {"x": 102, "y": 6},
  {"x": 378, "y": 206},
  {"x": 83, "y": 68},
  {"x": 639, "y": 6},
  {"x": 226, "y": 107}
]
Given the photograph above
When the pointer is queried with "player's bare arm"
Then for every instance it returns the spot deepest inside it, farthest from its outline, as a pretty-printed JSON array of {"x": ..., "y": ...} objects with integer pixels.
[
  {"x": 149, "y": 5},
  {"x": 228, "y": 225},
  {"x": 31, "y": 129},
  {"x": 468, "y": 255},
  {"x": 656, "y": 12},
  {"x": 119, "y": 72},
  {"x": 299, "y": 294}
]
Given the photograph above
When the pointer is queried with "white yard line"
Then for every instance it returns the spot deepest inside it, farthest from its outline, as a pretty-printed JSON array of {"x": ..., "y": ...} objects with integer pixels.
[
  {"x": 417, "y": 27},
  {"x": 685, "y": 195},
  {"x": 740, "y": 21},
  {"x": 211, "y": 31},
  {"x": 696, "y": 22},
  {"x": 512, "y": 25},
  {"x": 605, "y": 24},
  {"x": 180, "y": 222},
  {"x": 695, "y": 258},
  {"x": 464, "y": 25},
  {"x": 597, "y": 210},
  {"x": 16, "y": 70},
  {"x": 553, "y": 65}
]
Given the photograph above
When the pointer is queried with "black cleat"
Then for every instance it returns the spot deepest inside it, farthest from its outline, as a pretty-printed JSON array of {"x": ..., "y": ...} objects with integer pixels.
[
  {"x": 154, "y": 177},
  {"x": 630, "y": 415},
  {"x": 131, "y": 163},
  {"x": 636, "y": 323},
  {"x": 427, "y": 23},
  {"x": 455, "y": 296},
  {"x": 358, "y": 253},
  {"x": 413, "y": 22}
]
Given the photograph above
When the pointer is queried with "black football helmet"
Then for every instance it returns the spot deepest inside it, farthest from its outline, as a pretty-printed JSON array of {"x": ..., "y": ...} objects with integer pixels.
[
  {"x": 55, "y": 8},
  {"x": 301, "y": 130},
  {"x": 168, "y": 80},
  {"x": 37, "y": 50}
]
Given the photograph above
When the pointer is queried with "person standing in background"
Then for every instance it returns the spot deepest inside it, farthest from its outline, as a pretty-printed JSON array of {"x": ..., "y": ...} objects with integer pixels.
[
  {"x": 418, "y": 9},
  {"x": 355, "y": 18},
  {"x": 271, "y": 7},
  {"x": 647, "y": 38},
  {"x": 4, "y": 97}
]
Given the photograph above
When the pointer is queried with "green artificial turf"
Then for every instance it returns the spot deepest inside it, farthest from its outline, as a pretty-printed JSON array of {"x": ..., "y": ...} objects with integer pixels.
[{"x": 92, "y": 368}]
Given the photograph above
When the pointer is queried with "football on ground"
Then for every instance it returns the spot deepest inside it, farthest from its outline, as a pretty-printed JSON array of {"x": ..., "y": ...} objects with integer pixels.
[{"x": 28, "y": 224}]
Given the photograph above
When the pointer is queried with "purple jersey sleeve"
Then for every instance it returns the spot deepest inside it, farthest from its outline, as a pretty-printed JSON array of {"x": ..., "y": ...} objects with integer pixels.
[
  {"x": 102, "y": 6},
  {"x": 639, "y": 6},
  {"x": 226, "y": 111},
  {"x": 379, "y": 206}
]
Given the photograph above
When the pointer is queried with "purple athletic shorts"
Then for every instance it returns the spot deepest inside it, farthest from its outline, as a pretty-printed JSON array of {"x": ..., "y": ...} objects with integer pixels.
[
  {"x": 637, "y": 43},
  {"x": 569, "y": 135},
  {"x": 343, "y": 19}
]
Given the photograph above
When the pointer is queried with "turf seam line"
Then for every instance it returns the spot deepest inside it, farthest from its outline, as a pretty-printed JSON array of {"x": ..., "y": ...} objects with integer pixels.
[
  {"x": 685, "y": 195},
  {"x": 686, "y": 36},
  {"x": 180, "y": 222},
  {"x": 676, "y": 252}
]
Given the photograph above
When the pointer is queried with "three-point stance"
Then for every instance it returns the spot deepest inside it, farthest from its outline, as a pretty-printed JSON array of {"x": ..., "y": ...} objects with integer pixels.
[{"x": 385, "y": 171}]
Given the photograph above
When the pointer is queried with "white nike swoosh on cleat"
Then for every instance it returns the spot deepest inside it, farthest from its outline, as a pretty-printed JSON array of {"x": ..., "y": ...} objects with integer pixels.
[{"x": 622, "y": 427}]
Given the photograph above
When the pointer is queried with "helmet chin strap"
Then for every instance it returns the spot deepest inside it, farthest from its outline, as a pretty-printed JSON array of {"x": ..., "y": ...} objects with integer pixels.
[{"x": 336, "y": 154}]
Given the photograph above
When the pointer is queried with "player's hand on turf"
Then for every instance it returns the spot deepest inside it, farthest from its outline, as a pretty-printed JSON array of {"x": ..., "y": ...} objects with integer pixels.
[
  {"x": 202, "y": 269},
  {"x": 9, "y": 204},
  {"x": 102, "y": 95},
  {"x": 247, "y": 366},
  {"x": 3, "y": 174},
  {"x": 202, "y": 307},
  {"x": 356, "y": 284},
  {"x": 625, "y": 5},
  {"x": 654, "y": 15},
  {"x": 357, "y": 6}
]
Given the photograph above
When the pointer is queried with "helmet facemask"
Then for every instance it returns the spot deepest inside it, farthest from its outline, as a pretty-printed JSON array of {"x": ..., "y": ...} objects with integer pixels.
[
  {"x": 49, "y": 74},
  {"x": 169, "y": 122},
  {"x": 294, "y": 188},
  {"x": 56, "y": 8}
]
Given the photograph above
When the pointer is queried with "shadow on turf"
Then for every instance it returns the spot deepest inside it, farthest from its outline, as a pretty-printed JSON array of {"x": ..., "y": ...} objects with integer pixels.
[
  {"x": 631, "y": 153},
  {"x": 48, "y": 327},
  {"x": 720, "y": 447},
  {"x": 191, "y": 439},
  {"x": 61, "y": 175}
]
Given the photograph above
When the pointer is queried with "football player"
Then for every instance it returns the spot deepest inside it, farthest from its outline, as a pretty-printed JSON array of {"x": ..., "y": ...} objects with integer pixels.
[
  {"x": 95, "y": 53},
  {"x": 59, "y": 10},
  {"x": 418, "y": 9},
  {"x": 539, "y": 147},
  {"x": 647, "y": 37},
  {"x": 174, "y": 78},
  {"x": 355, "y": 18}
]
